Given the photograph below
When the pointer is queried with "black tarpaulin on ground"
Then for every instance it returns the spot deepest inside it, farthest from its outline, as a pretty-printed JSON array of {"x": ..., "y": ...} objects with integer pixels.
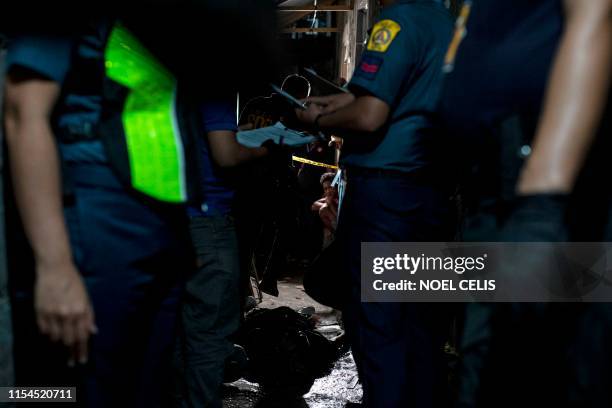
[{"x": 286, "y": 354}]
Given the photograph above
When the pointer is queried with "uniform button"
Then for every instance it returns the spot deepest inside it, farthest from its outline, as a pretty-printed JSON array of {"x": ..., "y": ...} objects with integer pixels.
[{"x": 524, "y": 151}]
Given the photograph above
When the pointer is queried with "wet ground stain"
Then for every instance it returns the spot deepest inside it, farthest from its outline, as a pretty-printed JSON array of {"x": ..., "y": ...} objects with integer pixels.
[{"x": 333, "y": 391}]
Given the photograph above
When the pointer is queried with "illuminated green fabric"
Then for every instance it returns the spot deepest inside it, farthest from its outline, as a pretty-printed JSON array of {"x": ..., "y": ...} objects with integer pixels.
[{"x": 153, "y": 140}]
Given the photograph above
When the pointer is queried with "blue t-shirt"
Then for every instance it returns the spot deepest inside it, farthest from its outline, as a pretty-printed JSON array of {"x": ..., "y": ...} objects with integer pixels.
[
  {"x": 218, "y": 194},
  {"x": 402, "y": 66}
]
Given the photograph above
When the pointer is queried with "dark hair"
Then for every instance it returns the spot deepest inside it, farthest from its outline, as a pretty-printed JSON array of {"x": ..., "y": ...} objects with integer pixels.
[{"x": 327, "y": 178}]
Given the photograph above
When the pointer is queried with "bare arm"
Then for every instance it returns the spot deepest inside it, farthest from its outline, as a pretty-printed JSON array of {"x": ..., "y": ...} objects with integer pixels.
[
  {"x": 575, "y": 99},
  {"x": 227, "y": 152},
  {"x": 364, "y": 114},
  {"x": 316, "y": 206},
  {"x": 62, "y": 305},
  {"x": 35, "y": 166},
  {"x": 332, "y": 103}
]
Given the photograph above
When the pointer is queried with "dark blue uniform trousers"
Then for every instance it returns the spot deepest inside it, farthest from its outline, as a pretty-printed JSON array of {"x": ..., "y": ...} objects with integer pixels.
[
  {"x": 553, "y": 354},
  {"x": 398, "y": 347},
  {"x": 132, "y": 256}
]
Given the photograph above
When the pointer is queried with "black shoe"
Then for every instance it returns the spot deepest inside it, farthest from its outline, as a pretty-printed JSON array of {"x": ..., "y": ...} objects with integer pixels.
[{"x": 236, "y": 365}]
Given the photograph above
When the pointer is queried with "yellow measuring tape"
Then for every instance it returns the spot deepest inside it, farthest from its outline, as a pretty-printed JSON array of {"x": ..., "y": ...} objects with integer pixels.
[{"x": 313, "y": 163}]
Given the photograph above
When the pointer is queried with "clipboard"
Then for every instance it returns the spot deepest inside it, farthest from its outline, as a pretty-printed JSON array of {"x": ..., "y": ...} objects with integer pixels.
[
  {"x": 292, "y": 100},
  {"x": 329, "y": 85}
]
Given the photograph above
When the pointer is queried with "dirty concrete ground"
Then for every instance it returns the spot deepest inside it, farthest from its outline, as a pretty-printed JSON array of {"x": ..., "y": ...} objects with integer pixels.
[{"x": 332, "y": 391}]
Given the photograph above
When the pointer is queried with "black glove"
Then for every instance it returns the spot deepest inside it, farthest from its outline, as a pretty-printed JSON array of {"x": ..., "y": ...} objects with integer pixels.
[{"x": 537, "y": 218}]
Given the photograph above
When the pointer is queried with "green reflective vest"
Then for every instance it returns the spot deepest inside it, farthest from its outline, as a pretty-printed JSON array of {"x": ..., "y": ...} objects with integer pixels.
[{"x": 148, "y": 125}]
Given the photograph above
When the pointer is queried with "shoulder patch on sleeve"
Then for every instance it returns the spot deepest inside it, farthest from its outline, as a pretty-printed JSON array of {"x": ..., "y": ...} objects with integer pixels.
[
  {"x": 383, "y": 34},
  {"x": 369, "y": 67}
]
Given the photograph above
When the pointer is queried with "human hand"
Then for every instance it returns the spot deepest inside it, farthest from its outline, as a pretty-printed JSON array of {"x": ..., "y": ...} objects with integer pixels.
[
  {"x": 332, "y": 103},
  {"x": 332, "y": 200},
  {"x": 537, "y": 218},
  {"x": 336, "y": 142},
  {"x": 309, "y": 115},
  {"x": 328, "y": 216},
  {"x": 246, "y": 126},
  {"x": 316, "y": 206},
  {"x": 63, "y": 309}
]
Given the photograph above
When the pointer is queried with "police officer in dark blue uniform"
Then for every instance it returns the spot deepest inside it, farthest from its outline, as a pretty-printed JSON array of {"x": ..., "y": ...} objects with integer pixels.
[
  {"x": 524, "y": 103},
  {"x": 108, "y": 262},
  {"x": 394, "y": 193}
]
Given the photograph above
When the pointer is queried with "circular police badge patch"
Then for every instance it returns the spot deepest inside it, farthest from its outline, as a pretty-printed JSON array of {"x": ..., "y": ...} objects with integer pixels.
[
  {"x": 383, "y": 34},
  {"x": 382, "y": 37}
]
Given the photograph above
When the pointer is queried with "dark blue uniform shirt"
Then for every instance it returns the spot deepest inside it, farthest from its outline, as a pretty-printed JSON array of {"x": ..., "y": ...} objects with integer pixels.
[
  {"x": 51, "y": 57},
  {"x": 403, "y": 67},
  {"x": 501, "y": 67},
  {"x": 47, "y": 56},
  {"x": 493, "y": 97},
  {"x": 494, "y": 88}
]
